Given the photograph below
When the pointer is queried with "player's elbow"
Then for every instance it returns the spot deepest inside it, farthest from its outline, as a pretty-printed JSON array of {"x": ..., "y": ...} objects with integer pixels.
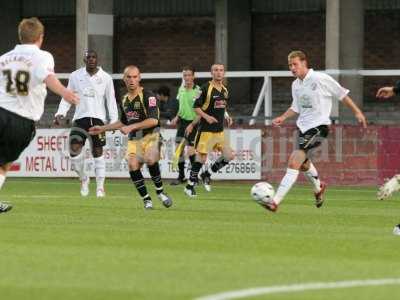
[{"x": 152, "y": 122}]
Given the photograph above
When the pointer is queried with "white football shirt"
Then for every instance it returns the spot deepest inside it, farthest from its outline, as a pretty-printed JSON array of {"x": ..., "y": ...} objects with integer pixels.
[
  {"x": 312, "y": 99},
  {"x": 22, "y": 72},
  {"x": 95, "y": 93}
]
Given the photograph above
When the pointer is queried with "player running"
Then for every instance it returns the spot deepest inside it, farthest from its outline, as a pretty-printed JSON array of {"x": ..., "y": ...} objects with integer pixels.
[
  {"x": 211, "y": 107},
  {"x": 313, "y": 93},
  {"x": 140, "y": 121},
  {"x": 24, "y": 74},
  {"x": 96, "y": 91}
]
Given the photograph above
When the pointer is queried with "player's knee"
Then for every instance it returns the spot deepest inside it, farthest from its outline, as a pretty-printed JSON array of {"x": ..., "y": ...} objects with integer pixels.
[
  {"x": 97, "y": 152},
  {"x": 305, "y": 166},
  {"x": 150, "y": 160},
  {"x": 75, "y": 149},
  {"x": 202, "y": 158},
  {"x": 133, "y": 165}
]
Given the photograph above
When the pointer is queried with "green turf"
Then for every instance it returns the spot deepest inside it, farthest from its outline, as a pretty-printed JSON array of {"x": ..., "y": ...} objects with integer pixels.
[{"x": 56, "y": 245}]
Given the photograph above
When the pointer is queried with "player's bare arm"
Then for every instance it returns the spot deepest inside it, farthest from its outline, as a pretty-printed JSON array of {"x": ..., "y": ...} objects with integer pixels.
[
  {"x": 385, "y": 92},
  {"x": 56, "y": 86},
  {"x": 148, "y": 123},
  {"x": 228, "y": 119},
  {"x": 95, "y": 130},
  {"x": 282, "y": 118},
  {"x": 189, "y": 128},
  {"x": 356, "y": 111},
  {"x": 205, "y": 116}
]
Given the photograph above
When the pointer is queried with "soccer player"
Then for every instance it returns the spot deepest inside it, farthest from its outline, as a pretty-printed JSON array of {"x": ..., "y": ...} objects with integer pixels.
[
  {"x": 25, "y": 72},
  {"x": 313, "y": 93},
  {"x": 140, "y": 120},
  {"x": 211, "y": 107},
  {"x": 187, "y": 94},
  {"x": 392, "y": 185},
  {"x": 96, "y": 91}
]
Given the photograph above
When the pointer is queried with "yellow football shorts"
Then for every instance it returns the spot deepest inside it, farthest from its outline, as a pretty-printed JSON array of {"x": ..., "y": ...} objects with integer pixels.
[
  {"x": 143, "y": 145},
  {"x": 207, "y": 141}
]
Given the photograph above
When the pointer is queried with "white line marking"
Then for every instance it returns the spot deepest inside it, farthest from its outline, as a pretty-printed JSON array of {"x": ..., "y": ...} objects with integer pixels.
[{"x": 300, "y": 288}]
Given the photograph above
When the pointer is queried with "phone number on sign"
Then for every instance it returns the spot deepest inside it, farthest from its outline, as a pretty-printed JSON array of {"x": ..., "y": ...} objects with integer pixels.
[{"x": 240, "y": 167}]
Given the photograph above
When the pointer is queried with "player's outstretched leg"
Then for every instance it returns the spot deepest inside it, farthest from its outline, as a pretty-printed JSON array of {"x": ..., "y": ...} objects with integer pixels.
[
  {"x": 138, "y": 180},
  {"x": 319, "y": 186},
  {"x": 155, "y": 174},
  {"x": 389, "y": 187}
]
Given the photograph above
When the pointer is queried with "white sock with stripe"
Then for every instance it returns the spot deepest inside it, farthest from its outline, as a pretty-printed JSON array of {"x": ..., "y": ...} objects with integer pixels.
[{"x": 312, "y": 176}]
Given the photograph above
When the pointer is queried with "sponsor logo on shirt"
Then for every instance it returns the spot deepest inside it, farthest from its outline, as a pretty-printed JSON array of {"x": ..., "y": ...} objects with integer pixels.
[
  {"x": 88, "y": 92},
  {"x": 305, "y": 101},
  {"x": 136, "y": 105},
  {"x": 313, "y": 86},
  {"x": 132, "y": 115},
  {"x": 152, "y": 101},
  {"x": 219, "y": 104}
]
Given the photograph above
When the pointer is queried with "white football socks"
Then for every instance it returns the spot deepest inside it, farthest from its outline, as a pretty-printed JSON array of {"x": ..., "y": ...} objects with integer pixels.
[
  {"x": 100, "y": 171},
  {"x": 78, "y": 165},
  {"x": 2, "y": 179},
  {"x": 312, "y": 175},
  {"x": 286, "y": 184}
]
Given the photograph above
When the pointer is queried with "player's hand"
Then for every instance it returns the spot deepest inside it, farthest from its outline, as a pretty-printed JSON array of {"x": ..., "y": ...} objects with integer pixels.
[
  {"x": 174, "y": 121},
  {"x": 70, "y": 96},
  {"x": 361, "y": 119},
  {"x": 95, "y": 130},
  {"x": 385, "y": 92},
  {"x": 278, "y": 121},
  {"x": 57, "y": 120},
  {"x": 229, "y": 120},
  {"x": 189, "y": 129},
  {"x": 125, "y": 130},
  {"x": 211, "y": 120}
]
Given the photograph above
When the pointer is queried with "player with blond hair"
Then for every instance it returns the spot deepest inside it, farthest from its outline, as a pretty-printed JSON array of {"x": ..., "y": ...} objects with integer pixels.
[
  {"x": 25, "y": 72},
  {"x": 313, "y": 93}
]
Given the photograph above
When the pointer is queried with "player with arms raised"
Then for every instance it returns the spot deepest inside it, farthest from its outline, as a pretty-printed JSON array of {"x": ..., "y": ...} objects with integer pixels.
[{"x": 24, "y": 74}]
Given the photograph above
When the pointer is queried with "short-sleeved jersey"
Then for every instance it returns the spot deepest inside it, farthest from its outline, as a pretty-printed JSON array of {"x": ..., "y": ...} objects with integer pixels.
[
  {"x": 22, "y": 72},
  {"x": 142, "y": 107},
  {"x": 312, "y": 99},
  {"x": 213, "y": 102}
]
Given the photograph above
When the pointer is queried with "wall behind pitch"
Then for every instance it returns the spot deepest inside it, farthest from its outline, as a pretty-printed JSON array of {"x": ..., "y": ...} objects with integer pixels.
[{"x": 158, "y": 44}]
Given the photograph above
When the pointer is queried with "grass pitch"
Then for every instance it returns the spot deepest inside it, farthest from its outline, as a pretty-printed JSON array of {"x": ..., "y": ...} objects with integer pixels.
[{"x": 56, "y": 245}]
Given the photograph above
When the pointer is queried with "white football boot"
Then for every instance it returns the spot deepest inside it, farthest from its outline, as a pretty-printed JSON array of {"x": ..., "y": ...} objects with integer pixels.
[
  {"x": 389, "y": 187},
  {"x": 85, "y": 186},
  {"x": 100, "y": 193},
  {"x": 166, "y": 201}
]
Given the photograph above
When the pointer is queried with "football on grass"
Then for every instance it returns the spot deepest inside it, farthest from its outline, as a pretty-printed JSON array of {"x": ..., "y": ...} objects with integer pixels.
[{"x": 262, "y": 192}]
